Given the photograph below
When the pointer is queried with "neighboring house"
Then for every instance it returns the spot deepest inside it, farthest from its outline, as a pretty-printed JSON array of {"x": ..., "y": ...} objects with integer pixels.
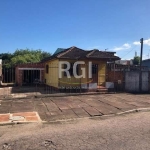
[
  {"x": 124, "y": 62},
  {"x": 98, "y": 58},
  {"x": 146, "y": 62},
  {"x": 59, "y": 50}
]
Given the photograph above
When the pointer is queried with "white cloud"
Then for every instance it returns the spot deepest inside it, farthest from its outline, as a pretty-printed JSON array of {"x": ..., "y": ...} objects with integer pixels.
[
  {"x": 123, "y": 47},
  {"x": 146, "y": 42},
  {"x": 136, "y": 43}
]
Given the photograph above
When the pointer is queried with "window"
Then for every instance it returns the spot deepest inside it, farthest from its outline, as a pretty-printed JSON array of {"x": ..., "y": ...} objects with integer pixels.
[{"x": 47, "y": 68}]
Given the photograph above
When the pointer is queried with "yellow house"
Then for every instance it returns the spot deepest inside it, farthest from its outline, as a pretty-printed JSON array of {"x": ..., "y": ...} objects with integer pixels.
[{"x": 74, "y": 68}]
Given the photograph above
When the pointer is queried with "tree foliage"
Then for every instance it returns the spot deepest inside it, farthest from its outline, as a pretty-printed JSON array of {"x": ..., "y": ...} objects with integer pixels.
[
  {"x": 136, "y": 60},
  {"x": 21, "y": 56}
]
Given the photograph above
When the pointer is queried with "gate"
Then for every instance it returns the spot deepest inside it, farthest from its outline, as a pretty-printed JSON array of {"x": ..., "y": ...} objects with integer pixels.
[
  {"x": 132, "y": 81},
  {"x": 125, "y": 78}
]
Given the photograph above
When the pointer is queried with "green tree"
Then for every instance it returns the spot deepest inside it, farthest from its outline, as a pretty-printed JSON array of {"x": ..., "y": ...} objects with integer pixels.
[
  {"x": 21, "y": 56},
  {"x": 6, "y": 57},
  {"x": 136, "y": 60}
]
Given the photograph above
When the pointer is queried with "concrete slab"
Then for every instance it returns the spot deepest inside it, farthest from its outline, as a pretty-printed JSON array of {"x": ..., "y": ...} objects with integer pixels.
[
  {"x": 51, "y": 106},
  {"x": 19, "y": 117},
  {"x": 139, "y": 104},
  {"x": 4, "y": 118},
  {"x": 55, "y": 117},
  {"x": 4, "y": 109},
  {"x": 58, "y": 108},
  {"x": 92, "y": 111},
  {"x": 69, "y": 114},
  {"x": 62, "y": 104},
  {"x": 28, "y": 116},
  {"x": 80, "y": 112},
  {"x": 123, "y": 106},
  {"x": 110, "y": 109}
]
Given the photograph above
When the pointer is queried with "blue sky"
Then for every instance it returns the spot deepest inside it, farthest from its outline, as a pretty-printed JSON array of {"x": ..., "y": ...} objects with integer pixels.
[{"x": 115, "y": 25}]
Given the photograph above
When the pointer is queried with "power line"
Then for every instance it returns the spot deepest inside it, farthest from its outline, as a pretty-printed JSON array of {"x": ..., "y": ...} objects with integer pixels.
[{"x": 129, "y": 51}]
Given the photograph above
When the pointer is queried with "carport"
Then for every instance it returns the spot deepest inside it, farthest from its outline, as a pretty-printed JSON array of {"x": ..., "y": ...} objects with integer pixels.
[{"x": 29, "y": 73}]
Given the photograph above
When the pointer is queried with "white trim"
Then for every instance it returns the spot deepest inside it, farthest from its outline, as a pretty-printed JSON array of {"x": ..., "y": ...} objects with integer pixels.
[{"x": 30, "y": 68}]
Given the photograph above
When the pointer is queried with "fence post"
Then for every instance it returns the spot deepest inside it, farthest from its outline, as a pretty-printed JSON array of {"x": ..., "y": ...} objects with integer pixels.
[
  {"x": 114, "y": 79},
  {"x": 148, "y": 81}
]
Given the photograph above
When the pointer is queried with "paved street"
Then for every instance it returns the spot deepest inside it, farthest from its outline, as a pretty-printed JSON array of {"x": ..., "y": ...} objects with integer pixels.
[
  {"x": 60, "y": 108},
  {"x": 125, "y": 132}
]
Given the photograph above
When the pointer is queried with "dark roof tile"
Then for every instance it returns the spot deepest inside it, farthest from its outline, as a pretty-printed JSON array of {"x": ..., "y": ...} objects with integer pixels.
[{"x": 77, "y": 53}]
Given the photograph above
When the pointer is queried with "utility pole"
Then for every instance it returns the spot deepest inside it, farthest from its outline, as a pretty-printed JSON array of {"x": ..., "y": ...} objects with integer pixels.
[{"x": 140, "y": 75}]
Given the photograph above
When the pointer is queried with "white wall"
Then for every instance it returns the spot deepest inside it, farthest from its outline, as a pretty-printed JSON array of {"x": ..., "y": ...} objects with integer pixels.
[
  {"x": 145, "y": 81},
  {"x": 132, "y": 81}
]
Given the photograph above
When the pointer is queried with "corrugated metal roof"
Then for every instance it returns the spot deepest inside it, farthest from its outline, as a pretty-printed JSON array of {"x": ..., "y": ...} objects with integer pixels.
[{"x": 58, "y": 50}]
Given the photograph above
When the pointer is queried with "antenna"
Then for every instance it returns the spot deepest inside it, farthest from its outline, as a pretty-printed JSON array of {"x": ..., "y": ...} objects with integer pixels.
[{"x": 135, "y": 53}]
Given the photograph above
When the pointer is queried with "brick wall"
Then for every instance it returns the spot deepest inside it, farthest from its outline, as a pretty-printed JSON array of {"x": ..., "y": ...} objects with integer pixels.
[
  {"x": 19, "y": 71},
  {"x": 114, "y": 77}
]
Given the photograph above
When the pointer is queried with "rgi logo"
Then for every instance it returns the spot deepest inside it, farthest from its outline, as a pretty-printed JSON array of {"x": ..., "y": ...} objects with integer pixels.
[{"x": 75, "y": 74}]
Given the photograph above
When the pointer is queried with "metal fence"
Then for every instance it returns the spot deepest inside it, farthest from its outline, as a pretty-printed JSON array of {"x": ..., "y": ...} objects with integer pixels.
[
  {"x": 8, "y": 74},
  {"x": 38, "y": 79}
]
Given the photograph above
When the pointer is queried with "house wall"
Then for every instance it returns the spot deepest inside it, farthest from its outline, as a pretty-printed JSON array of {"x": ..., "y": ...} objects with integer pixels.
[
  {"x": 70, "y": 82},
  {"x": 51, "y": 78},
  {"x": 74, "y": 82},
  {"x": 101, "y": 73}
]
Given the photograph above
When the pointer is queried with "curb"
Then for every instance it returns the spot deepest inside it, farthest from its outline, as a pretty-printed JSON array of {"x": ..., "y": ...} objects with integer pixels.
[
  {"x": 10, "y": 97},
  {"x": 135, "y": 110},
  {"x": 15, "y": 123},
  {"x": 101, "y": 117},
  {"x": 75, "y": 119}
]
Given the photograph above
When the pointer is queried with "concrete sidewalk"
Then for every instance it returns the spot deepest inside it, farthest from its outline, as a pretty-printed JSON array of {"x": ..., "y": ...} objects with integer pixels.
[{"x": 71, "y": 107}]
